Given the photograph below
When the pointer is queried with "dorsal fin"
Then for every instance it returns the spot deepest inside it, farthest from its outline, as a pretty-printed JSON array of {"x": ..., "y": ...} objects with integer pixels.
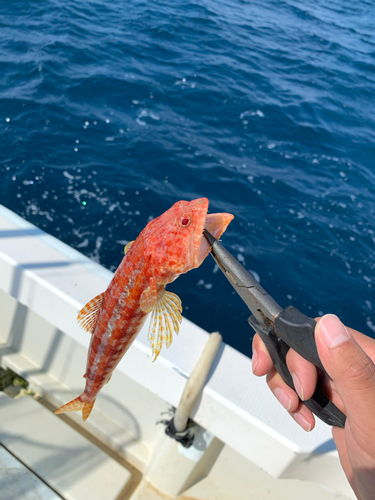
[
  {"x": 165, "y": 320},
  {"x": 149, "y": 297},
  {"x": 126, "y": 248},
  {"x": 88, "y": 315}
]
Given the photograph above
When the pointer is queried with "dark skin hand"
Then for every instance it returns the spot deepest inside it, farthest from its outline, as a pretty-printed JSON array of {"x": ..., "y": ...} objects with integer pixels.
[{"x": 348, "y": 357}]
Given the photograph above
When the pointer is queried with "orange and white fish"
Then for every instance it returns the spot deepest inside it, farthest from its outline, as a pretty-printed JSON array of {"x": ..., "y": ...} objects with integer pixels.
[{"x": 168, "y": 246}]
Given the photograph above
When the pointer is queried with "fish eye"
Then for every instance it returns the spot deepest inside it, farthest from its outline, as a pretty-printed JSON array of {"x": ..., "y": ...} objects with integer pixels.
[{"x": 185, "y": 221}]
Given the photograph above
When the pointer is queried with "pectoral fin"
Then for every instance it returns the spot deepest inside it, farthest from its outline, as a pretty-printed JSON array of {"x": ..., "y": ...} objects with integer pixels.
[
  {"x": 149, "y": 297},
  {"x": 88, "y": 315},
  {"x": 165, "y": 320}
]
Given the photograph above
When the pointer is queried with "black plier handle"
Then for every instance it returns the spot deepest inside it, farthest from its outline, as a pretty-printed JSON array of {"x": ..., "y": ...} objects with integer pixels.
[{"x": 280, "y": 329}]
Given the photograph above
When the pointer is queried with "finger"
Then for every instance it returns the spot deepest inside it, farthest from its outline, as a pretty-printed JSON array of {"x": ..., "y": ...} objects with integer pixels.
[
  {"x": 261, "y": 360},
  {"x": 366, "y": 343},
  {"x": 304, "y": 417},
  {"x": 328, "y": 386},
  {"x": 290, "y": 401},
  {"x": 340, "y": 441},
  {"x": 330, "y": 390},
  {"x": 300, "y": 369},
  {"x": 283, "y": 393},
  {"x": 304, "y": 374},
  {"x": 352, "y": 372}
]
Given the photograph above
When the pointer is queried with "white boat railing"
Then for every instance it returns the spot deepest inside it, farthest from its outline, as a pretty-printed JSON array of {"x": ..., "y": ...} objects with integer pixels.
[{"x": 45, "y": 283}]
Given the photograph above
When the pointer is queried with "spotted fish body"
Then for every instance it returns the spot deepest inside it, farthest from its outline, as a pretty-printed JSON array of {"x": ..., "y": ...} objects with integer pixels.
[{"x": 170, "y": 245}]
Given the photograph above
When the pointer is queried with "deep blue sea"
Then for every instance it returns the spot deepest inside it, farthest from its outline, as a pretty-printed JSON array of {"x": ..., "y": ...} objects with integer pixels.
[{"x": 112, "y": 111}]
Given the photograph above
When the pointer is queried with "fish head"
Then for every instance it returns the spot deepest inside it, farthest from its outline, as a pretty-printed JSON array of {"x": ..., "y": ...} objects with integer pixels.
[{"x": 175, "y": 239}]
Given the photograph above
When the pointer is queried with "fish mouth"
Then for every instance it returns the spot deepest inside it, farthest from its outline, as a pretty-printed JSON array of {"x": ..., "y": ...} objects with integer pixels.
[{"x": 215, "y": 224}]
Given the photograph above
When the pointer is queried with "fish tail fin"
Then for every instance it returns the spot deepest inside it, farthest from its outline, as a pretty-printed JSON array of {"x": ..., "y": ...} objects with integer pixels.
[
  {"x": 76, "y": 405},
  {"x": 86, "y": 410}
]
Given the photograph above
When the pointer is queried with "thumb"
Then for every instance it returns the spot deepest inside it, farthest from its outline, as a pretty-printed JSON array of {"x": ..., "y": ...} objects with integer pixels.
[{"x": 349, "y": 367}]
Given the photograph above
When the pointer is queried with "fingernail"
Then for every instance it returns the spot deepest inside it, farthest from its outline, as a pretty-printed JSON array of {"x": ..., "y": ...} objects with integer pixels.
[
  {"x": 254, "y": 360},
  {"x": 298, "y": 387},
  {"x": 283, "y": 398},
  {"x": 332, "y": 331},
  {"x": 300, "y": 419}
]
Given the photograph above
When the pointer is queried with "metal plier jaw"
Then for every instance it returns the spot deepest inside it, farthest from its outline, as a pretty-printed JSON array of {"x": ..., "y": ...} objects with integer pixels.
[{"x": 280, "y": 329}]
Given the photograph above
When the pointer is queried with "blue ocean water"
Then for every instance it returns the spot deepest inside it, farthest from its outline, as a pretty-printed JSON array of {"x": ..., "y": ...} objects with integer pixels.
[{"x": 112, "y": 111}]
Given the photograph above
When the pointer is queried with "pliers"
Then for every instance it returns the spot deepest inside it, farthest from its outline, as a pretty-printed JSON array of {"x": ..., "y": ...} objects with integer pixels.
[{"x": 280, "y": 329}]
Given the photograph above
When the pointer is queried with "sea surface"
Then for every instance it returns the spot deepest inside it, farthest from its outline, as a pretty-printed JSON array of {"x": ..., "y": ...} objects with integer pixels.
[{"x": 112, "y": 111}]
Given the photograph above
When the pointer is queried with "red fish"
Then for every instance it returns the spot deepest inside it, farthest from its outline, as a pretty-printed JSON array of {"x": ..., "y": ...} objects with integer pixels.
[{"x": 169, "y": 245}]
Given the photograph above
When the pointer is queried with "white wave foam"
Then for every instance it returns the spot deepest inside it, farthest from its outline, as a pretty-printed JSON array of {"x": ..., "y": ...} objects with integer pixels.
[
  {"x": 146, "y": 113},
  {"x": 249, "y": 112}
]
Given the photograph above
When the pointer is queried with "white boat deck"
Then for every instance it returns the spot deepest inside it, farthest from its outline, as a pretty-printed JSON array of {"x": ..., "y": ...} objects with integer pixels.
[
  {"x": 58, "y": 454},
  {"x": 250, "y": 437},
  {"x": 18, "y": 482}
]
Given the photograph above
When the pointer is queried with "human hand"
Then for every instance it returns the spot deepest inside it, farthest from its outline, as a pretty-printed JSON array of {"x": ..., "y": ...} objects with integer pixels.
[{"x": 348, "y": 357}]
